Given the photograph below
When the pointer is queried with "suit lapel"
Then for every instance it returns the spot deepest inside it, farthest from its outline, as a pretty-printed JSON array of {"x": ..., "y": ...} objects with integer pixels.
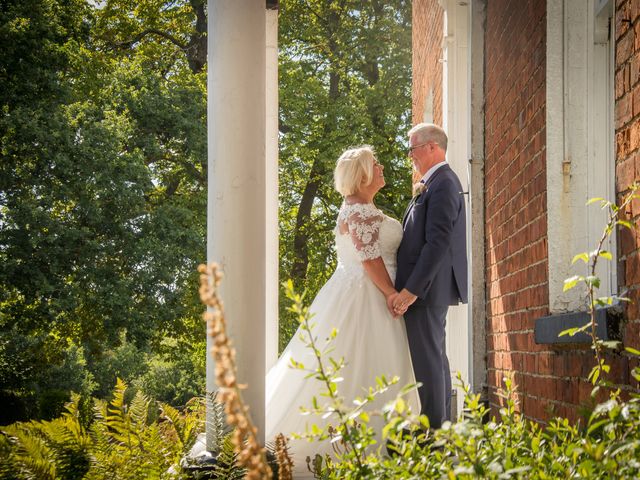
[
  {"x": 414, "y": 199},
  {"x": 406, "y": 212}
]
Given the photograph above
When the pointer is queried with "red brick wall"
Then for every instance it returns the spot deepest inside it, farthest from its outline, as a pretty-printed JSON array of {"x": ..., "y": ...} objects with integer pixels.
[
  {"x": 515, "y": 206},
  {"x": 427, "y": 31},
  {"x": 627, "y": 115}
]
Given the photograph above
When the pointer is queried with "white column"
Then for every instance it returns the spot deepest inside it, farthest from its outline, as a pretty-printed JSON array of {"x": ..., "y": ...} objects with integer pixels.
[
  {"x": 236, "y": 235},
  {"x": 271, "y": 202}
]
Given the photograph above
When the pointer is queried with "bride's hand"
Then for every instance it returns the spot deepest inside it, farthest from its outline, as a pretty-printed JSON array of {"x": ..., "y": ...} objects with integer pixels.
[
  {"x": 390, "y": 299},
  {"x": 402, "y": 301}
]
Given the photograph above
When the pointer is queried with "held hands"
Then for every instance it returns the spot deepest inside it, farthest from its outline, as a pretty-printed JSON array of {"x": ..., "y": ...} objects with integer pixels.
[
  {"x": 401, "y": 302},
  {"x": 390, "y": 297}
]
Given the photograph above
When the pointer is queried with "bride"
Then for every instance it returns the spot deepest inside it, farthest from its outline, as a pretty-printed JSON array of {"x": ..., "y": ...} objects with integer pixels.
[{"x": 354, "y": 301}]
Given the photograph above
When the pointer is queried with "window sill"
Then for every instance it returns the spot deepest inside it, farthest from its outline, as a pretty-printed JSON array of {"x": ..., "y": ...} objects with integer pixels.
[{"x": 547, "y": 329}]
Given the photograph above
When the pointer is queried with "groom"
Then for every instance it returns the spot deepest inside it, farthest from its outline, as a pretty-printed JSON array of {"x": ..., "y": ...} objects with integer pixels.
[{"x": 432, "y": 267}]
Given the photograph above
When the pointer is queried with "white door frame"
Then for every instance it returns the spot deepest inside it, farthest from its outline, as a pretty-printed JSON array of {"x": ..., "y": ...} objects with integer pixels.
[{"x": 456, "y": 98}]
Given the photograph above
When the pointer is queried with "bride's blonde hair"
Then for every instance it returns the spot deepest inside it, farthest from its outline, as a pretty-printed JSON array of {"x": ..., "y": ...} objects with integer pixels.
[{"x": 354, "y": 167}]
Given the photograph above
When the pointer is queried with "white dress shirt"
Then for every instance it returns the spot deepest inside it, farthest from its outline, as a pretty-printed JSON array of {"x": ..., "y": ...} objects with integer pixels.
[{"x": 431, "y": 171}]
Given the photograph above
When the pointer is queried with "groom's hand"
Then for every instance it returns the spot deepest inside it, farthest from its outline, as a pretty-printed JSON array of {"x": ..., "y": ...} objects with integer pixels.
[{"x": 402, "y": 301}]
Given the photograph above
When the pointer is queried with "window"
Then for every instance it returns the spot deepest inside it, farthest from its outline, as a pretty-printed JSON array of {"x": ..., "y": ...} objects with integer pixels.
[{"x": 580, "y": 140}]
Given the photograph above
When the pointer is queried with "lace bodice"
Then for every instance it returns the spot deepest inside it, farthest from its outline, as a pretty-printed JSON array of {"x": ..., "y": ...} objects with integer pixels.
[{"x": 363, "y": 232}]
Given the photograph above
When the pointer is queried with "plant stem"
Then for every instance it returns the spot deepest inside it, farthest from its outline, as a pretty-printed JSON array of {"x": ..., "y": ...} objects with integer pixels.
[
  {"x": 332, "y": 395},
  {"x": 614, "y": 213}
]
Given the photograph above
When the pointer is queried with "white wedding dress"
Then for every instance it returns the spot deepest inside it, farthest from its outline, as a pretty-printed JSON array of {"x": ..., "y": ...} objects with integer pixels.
[{"x": 372, "y": 342}]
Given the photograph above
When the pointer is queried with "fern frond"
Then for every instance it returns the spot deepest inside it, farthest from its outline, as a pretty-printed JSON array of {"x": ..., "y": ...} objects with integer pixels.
[
  {"x": 118, "y": 420},
  {"x": 216, "y": 419},
  {"x": 194, "y": 422},
  {"x": 173, "y": 424},
  {"x": 226, "y": 465},
  {"x": 139, "y": 410},
  {"x": 31, "y": 454}
]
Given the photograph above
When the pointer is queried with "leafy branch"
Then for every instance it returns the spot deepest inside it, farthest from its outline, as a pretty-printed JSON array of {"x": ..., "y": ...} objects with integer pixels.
[
  {"x": 150, "y": 31},
  {"x": 592, "y": 281},
  {"x": 328, "y": 377}
]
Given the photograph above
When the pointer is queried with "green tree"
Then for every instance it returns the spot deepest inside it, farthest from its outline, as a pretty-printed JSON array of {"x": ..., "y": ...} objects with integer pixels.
[
  {"x": 102, "y": 176},
  {"x": 345, "y": 80}
]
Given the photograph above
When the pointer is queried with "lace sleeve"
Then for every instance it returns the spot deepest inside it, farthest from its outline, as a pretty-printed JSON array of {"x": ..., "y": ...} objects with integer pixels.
[{"x": 364, "y": 227}]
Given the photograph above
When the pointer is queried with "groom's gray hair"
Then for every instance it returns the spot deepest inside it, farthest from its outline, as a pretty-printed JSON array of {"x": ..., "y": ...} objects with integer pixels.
[{"x": 428, "y": 132}]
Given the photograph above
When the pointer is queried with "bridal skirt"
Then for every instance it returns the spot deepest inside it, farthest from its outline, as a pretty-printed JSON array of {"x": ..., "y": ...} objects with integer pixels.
[{"x": 372, "y": 342}]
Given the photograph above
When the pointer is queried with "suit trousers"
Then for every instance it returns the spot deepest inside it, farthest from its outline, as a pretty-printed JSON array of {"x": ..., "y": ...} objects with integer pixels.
[{"x": 426, "y": 334}]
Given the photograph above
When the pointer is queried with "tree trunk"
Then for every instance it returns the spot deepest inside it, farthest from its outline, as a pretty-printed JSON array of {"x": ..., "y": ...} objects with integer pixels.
[
  {"x": 371, "y": 72},
  {"x": 318, "y": 169},
  {"x": 197, "y": 48}
]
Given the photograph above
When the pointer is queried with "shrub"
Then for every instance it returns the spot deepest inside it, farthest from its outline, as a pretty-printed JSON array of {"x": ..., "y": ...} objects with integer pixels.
[
  {"x": 173, "y": 381},
  {"x": 37, "y": 375},
  {"x": 126, "y": 361}
]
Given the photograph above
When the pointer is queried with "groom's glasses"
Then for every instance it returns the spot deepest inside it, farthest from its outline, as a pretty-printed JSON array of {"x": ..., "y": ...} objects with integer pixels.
[{"x": 411, "y": 149}]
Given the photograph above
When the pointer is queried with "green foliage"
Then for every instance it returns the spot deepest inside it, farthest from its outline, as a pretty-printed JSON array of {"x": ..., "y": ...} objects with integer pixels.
[
  {"x": 28, "y": 390},
  {"x": 606, "y": 446},
  {"x": 591, "y": 283},
  {"x": 226, "y": 466},
  {"x": 102, "y": 197},
  {"x": 345, "y": 80},
  {"x": 174, "y": 381},
  {"x": 124, "y": 440},
  {"x": 172, "y": 373}
]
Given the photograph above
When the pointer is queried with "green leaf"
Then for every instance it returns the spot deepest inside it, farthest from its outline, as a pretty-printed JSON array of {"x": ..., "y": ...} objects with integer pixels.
[
  {"x": 569, "y": 331},
  {"x": 595, "y": 426},
  {"x": 571, "y": 282},
  {"x": 592, "y": 280},
  {"x": 626, "y": 224},
  {"x": 606, "y": 254},
  {"x": 581, "y": 256},
  {"x": 632, "y": 350}
]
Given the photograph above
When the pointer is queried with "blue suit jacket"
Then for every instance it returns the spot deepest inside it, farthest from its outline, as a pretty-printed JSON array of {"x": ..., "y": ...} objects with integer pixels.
[{"x": 432, "y": 257}]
